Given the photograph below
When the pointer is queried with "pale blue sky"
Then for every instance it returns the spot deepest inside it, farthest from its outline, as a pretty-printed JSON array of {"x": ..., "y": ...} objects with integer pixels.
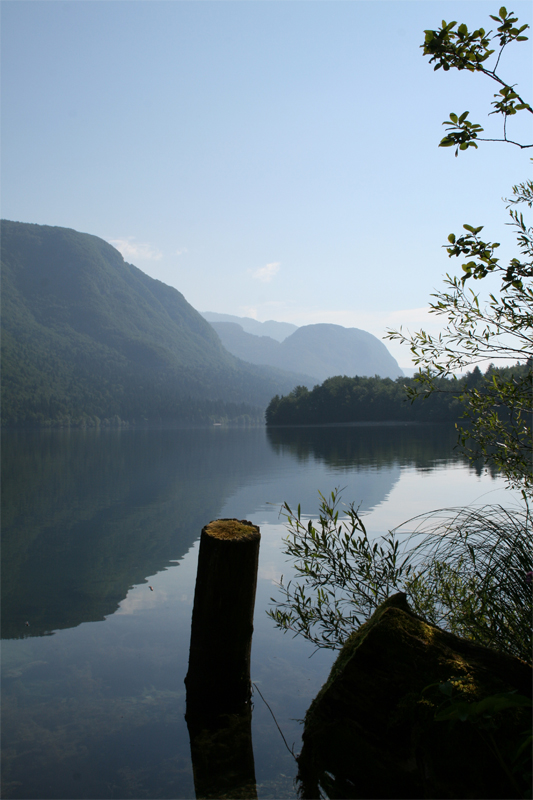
[{"x": 270, "y": 159}]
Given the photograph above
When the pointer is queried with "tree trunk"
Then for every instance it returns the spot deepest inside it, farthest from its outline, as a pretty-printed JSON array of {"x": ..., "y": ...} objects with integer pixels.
[{"x": 218, "y": 680}]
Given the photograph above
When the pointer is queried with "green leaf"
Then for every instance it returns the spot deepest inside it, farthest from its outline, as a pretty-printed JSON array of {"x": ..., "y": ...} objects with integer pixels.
[
  {"x": 498, "y": 702},
  {"x": 459, "y": 710},
  {"x": 526, "y": 743}
]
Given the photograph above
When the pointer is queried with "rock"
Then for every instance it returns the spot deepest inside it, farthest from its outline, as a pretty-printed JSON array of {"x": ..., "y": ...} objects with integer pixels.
[{"x": 371, "y": 731}]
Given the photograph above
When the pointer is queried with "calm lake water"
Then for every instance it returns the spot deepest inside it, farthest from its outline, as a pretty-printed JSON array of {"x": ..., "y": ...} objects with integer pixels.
[{"x": 92, "y": 689}]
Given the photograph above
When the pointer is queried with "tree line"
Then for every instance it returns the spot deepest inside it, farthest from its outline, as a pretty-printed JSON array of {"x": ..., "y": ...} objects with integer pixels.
[
  {"x": 71, "y": 398},
  {"x": 342, "y": 399}
]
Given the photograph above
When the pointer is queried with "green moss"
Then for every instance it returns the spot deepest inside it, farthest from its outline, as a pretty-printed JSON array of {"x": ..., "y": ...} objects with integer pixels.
[
  {"x": 234, "y": 529},
  {"x": 372, "y": 726}
]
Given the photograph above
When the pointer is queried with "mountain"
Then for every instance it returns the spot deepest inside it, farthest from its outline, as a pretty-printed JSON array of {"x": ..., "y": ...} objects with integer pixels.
[
  {"x": 320, "y": 351},
  {"x": 325, "y": 350},
  {"x": 85, "y": 334},
  {"x": 276, "y": 330},
  {"x": 248, "y": 346}
]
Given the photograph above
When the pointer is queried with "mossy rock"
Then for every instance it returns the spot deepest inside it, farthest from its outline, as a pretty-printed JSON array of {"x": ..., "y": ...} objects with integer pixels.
[{"x": 371, "y": 731}]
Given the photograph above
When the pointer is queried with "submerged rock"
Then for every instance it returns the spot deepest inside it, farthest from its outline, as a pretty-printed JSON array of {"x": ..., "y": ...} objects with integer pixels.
[{"x": 371, "y": 731}]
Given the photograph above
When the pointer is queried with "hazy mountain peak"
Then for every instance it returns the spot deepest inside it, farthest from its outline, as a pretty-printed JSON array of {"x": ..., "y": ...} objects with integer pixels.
[
  {"x": 84, "y": 333},
  {"x": 276, "y": 330},
  {"x": 321, "y": 350}
]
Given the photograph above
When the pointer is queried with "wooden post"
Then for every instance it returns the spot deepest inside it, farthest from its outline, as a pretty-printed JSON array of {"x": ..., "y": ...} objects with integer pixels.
[{"x": 218, "y": 679}]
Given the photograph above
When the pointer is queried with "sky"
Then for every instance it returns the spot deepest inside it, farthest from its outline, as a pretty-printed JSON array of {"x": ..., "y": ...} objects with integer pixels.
[{"x": 277, "y": 160}]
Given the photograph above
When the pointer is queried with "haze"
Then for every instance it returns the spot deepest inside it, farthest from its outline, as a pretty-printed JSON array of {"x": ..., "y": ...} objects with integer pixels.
[{"x": 276, "y": 160}]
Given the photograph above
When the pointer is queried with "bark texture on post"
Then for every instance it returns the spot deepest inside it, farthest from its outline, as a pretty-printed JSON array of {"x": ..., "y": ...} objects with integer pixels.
[{"x": 218, "y": 679}]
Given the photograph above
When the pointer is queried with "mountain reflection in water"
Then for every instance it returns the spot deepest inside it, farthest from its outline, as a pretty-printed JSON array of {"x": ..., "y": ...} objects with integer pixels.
[
  {"x": 88, "y": 514},
  {"x": 89, "y": 519}
]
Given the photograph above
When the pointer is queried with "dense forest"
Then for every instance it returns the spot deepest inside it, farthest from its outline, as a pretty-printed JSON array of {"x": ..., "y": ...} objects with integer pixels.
[{"x": 343, "y": 399}]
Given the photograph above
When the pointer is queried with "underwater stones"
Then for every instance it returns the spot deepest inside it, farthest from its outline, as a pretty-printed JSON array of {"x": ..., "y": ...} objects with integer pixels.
[{"x": 371, "y": 731}]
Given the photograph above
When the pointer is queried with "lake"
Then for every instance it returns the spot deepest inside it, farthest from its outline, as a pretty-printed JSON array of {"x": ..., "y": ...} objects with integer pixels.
[{"x": 94, "y": 660}]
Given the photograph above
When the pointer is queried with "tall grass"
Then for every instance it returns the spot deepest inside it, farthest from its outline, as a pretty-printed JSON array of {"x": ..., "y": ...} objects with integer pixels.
[
  {"x": 472, "y": 574},
  {"x": 467, "y": 570}
]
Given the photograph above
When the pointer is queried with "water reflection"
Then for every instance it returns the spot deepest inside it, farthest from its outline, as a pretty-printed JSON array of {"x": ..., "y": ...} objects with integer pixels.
[
  {"x": 97, "y": 710},
  {"x": 222, "y": 756},
  {"x": 88, "y": 514},
  {"x": 365, "y": 444}
]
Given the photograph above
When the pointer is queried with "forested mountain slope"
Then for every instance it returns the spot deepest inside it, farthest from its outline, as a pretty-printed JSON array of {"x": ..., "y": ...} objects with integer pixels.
[
  {"x": 85, "y": 335},
  {"x": 320, "y": 350}
]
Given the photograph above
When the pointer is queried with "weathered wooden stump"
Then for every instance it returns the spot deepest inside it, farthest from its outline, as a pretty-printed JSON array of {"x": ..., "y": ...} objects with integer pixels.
[{"x": 218, "y": 679}]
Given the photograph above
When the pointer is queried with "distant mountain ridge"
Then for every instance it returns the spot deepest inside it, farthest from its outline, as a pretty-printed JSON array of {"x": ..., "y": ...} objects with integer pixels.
[
  {"x": 320, "y": 350},
  {"x": 248, "y": 346},
  {"x": 275, "y": 330},
  {"x": 85, "y": 334}
]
